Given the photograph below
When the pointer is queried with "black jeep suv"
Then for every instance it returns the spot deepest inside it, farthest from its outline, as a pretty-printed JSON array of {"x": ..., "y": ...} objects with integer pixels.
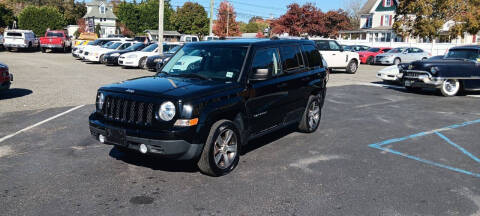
[{"x": 211, "y": 98}]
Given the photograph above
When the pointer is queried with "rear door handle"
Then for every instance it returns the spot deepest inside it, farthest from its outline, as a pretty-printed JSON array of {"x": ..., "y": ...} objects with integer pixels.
[{"x": 334, "y": 54}]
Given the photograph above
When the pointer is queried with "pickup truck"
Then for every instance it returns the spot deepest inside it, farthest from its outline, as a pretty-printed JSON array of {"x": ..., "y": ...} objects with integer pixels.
[{"x": 56, "y": 40}]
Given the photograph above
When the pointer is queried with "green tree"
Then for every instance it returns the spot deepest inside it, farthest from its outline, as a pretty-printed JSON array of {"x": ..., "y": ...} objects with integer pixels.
[
  {"x": 6, "y": 16},
  {"x": 140, "y": 17},
  {"x": 128, "y": 14},
  {"x": 252, "y": 27},
  {"x": 425, "y": 18},
  {"x": 191, "y": 18},
  {"x": 39, "y": 19}
]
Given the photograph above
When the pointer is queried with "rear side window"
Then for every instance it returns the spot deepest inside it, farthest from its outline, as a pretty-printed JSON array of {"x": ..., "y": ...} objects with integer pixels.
[
  {"x": 291, "y": 58},
  {"x": 14, "y": 34},
  {"x": 312, "y": 56},
  {"x": 267, "y": 59}
]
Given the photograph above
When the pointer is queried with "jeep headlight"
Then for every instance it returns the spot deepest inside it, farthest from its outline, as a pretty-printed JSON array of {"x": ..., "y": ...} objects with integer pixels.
[
  {"x": 166, "y": 112},
  {"x": 434, "y": 70},
  {"x": 100, "y": 101},
  {"x": 115, "y": 54}
]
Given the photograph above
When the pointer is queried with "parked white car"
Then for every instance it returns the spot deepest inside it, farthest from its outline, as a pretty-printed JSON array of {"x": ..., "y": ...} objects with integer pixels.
[
  {"x": 138, "y": 58},
  {"x": 401, "y": 55},
  {"x": 389, "y": 74},
  {"x": 336, "y": 57},
  {"x": 95, "y": 44},
  {"x": 96, "y": 54},
  {"x": 210, "y": 38},
  {"x": 15, "y": 39}
]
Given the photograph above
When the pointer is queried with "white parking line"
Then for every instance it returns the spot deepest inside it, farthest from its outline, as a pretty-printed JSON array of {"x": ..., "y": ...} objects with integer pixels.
[
  {"x": 39, "y": 123},
  {"x": 398, "y": 87}
]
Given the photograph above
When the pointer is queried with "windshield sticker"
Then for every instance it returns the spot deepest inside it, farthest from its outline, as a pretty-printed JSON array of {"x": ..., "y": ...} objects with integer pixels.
[{"x": 229, "y": 74}]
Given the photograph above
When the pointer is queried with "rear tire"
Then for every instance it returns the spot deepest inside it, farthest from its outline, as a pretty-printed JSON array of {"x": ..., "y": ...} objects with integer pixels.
[
  {"x": 312, "y": 114},
  {"x": 221, "y": 152},
  {"x": 44, "y": 50},
  {"x": 352, "y": 67}
]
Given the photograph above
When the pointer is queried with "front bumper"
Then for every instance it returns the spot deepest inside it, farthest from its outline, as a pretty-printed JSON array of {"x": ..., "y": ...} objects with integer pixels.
[
  {"x": 384, "y": 61},
  {"x": 363, "y": 59},
  {"x": 177, "y": 149},
  {"x": 151, "y": 64},
  {"x": 128, "y": 62},
  {"x": 388, "y": 77},
  {"x": 110, "y": 60},
  {"x": 420, "y": 79},
  {"x": 6, "y": 84},
  {"x": 92, "y": 58},
  {"x": 52, "y": 46}
]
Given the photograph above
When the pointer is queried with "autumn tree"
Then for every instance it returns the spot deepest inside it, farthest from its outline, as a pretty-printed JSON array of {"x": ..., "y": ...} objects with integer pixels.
[
  {"x": 425, "y": 18},
  {"x": 191, "y": 18},
  {"x": 226, "y": 24},
  {"x": 310, "y": 20}
]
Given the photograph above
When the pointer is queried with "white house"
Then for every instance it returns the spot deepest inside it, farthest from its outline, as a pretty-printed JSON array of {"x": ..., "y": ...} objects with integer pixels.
[
  {"x": 100, "y": 12},
  {"x": 376, "y": 21}
]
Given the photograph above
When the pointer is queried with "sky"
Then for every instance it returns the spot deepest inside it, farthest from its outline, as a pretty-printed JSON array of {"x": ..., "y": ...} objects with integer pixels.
[{"x": 246, "y": 9}]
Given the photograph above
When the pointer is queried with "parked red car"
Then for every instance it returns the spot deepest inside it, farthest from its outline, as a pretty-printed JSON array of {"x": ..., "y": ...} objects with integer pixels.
[
  {"x": 368, "y": 56},
  {"x": 57, "y": 40},
  {"x": 5, "y": 77}
]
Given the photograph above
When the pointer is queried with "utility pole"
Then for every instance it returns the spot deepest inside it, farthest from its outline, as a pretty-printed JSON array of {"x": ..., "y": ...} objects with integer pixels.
[
  {"x": 160, "y": 26},
  {"x": 228, "y": 15},
  {"x": 211, "y": 17}
]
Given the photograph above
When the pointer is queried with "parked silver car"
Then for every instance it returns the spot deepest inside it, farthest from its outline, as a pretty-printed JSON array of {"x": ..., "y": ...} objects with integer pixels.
[{"x": 402, "y": 55}]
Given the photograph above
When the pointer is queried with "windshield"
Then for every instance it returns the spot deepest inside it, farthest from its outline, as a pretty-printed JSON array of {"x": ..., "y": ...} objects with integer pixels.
[
  {"x": 373, "y": 50},
  {"x": 54, "y": 34},
  {"x": 114, "y": 45},
  {"x": 150, "y": 48},
  {"x": 397, "y": 50},
  {"x": 471, "y": 54},
  {"x": 208, "y": 62},
  {"x": 107, "y": 44},
  {"x": 134, "y": 47},
  {"x": 174, "y": 49}
]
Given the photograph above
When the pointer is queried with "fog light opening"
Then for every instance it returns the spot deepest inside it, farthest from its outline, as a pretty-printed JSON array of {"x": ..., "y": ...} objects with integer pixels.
[
  {"x": 143, "y": 148},
  {"x": 101, "y": 138}
]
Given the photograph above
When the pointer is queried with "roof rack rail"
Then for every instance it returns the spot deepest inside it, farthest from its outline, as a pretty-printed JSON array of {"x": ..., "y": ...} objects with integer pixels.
[{"x": 288, "y": 38}]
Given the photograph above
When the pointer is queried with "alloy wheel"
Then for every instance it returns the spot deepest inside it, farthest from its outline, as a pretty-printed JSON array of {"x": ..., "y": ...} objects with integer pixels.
[
  {"x": 225, "y": 149},
  {"x": 313, "y": 115}
]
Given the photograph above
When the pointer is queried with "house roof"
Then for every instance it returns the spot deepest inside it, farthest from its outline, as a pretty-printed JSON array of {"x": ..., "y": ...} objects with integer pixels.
[
  {"x": 370, "y": 5},
  {"x": 95, "y": 12}
]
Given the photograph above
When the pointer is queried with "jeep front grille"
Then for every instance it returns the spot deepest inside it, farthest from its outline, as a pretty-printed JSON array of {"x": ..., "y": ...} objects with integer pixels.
[{"x": 128, "y": 111}]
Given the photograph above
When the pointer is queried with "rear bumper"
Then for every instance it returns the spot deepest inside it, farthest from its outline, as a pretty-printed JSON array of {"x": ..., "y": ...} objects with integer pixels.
[
  {"x": 15, "y": 45},
  {"x": 52, "y": 46},
  {"x": 6, "y": 84},
  {"x": 175, "y": 148}
]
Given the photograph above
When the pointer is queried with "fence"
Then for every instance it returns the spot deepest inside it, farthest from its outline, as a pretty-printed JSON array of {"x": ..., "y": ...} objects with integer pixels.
[{"x": 433, "y": 48}]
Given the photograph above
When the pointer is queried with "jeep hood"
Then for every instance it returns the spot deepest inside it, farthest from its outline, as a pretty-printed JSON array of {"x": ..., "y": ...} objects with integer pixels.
[{"x": 170, "y": 87}]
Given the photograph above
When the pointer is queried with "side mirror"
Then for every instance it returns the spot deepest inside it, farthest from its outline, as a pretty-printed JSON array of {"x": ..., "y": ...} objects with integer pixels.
[
  {"x": 341, "y": 49},
  {"x": 260, "y": 74}
]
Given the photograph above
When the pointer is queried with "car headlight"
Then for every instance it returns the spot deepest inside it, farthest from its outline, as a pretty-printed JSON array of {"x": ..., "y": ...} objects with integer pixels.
[
  {"x": 100, "y": 101},
  {"x": 434, "y": 70},
  {"x": 166, "y": 112},
  {"x": 115, "y": 54},
  {"x": 132, "y": 56},
  {"x": 157, "y": 60}
]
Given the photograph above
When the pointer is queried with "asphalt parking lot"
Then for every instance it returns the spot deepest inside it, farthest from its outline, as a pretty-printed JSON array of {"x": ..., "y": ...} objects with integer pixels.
[{"x": 379, "y": 151}]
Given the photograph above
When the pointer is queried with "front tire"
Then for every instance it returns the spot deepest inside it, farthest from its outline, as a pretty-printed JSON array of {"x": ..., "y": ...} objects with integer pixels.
[
  {"x": 44, "y": 50},
  {"x": 143, "y": 63},
  {"x": 370, "y": 60},
  {"x": 312, "y": 115},
  {"x": 221, "y": 152},
  {"x": 450, "y": 87},
  {"x": 352, "y": 67}
]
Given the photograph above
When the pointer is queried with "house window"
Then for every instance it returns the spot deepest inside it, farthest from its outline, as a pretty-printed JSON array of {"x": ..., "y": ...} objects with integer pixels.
[
  {"x": 387, "y": 20},
  {"x": 368, "y": 23},
  {"x": 102, "y": 9},
  {"x": 387, "y": 3}
]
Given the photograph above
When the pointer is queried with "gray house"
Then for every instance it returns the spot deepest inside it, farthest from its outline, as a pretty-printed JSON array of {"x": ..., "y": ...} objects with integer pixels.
[{"x": 100, "y": 12}]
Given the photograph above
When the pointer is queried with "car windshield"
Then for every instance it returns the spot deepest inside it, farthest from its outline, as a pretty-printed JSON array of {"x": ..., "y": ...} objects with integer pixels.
[
  {"x": 397, "y": 50},
  {"x": 150, "y": 48},
  {"x": 134, "y": 47},
  {"x": 114, "y": 45},
  {"x": 207, "y": 62},
  {"x": 54, "y": 34},
  {"x": 174, "y": 49},
  {"x": 471, "y": 54},
  {"x": 373, "y": 50},
  {"x": 107, "y": 44}
]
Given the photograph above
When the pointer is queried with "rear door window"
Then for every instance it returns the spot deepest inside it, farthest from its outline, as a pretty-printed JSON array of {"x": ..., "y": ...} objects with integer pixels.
[
  {"x": 291, "y": 58},
  {"x": 14, "y": 34},
  {"x": 267, "y": 58},
  {"x": 312, "y": 56}
]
